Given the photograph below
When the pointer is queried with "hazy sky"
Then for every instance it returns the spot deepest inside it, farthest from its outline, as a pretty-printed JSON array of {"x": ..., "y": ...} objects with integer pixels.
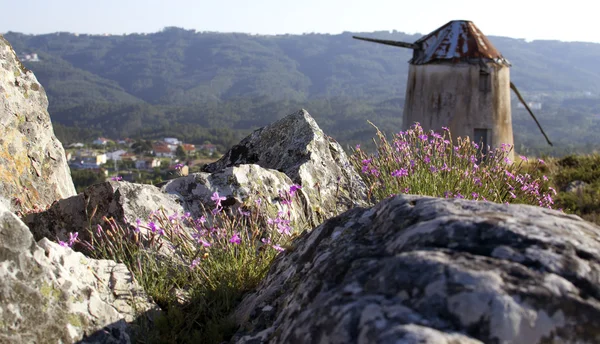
[{"x": 572, "y": 20}]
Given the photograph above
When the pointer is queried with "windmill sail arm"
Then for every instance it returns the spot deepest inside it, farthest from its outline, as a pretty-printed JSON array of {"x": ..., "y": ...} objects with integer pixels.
[
  {"x": 388, "y": 42},
  {"x": 514, "y": 88}
]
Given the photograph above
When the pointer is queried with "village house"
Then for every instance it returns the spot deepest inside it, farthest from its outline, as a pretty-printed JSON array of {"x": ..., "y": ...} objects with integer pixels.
[
  {"x": 163, "y": 150},
  {"x": 147, "y": 164},
  {"x": 172, "y": 141},
  {"x": 188, "y": 148},
  {"x": 116, "y": 155},
  {"x": 76, "y": 145},
  {"x": 128, "y": 156},
  {"x": 101, "y": 141},
  {"x": 207, "y": 148},
  {"x": 87, "y": 160}
]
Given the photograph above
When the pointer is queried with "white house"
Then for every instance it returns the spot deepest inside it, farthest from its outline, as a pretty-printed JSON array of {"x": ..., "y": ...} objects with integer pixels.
[
  {"x": 116, "y": 155},
  {"x": 101, "y": 141},
  {"x": 147, "y": 164},
  {"x": 172, "y": 141}
]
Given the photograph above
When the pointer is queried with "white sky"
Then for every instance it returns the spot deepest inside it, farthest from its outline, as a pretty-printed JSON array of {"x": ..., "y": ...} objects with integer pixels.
[{"x": 574, "y": 20}]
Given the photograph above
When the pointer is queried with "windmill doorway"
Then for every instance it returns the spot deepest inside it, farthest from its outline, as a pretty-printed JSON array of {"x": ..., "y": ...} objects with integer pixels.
[{"x": 482, "y": 138}]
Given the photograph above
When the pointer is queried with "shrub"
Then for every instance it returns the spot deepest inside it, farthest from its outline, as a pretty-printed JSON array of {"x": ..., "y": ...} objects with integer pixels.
[
  {"x": 430, "y": 164},
  {"x": 211, "y": 260}
]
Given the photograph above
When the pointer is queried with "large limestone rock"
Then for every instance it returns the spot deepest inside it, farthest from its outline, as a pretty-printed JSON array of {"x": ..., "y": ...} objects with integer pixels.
[
  {"x": 241, "y": 185},
  {"x": 424, "y": 270},
  {"x": 123, "y": 201},
  {"x": 51, "y": 294},
  {"x": 33, "y": 166},
  {"x": 297, "y": 147}
]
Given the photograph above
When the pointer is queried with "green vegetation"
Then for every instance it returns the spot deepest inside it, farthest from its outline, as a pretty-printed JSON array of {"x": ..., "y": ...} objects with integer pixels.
[
  {"x": 430, "y": 164},
  {"x": 211, "y": 260},
  {"x": 198, "y": 270},
  {"x": 218, "y": 87},
  {"x": 578, "y": 179},
  {"x": 84, "y": 178}
]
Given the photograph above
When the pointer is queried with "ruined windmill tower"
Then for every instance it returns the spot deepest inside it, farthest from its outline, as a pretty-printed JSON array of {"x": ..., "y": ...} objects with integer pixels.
[{"x": 458, "y": 79}]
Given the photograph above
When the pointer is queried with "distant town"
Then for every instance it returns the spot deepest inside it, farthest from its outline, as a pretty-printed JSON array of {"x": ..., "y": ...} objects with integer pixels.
[{"x": 140, "y": 161}]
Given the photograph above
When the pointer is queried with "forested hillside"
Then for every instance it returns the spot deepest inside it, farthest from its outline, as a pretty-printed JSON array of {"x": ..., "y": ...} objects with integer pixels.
[{"x": 218, "y": 86}]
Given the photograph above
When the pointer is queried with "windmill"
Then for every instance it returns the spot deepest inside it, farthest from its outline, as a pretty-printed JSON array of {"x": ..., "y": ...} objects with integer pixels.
[{"x": 458, "y": 79}]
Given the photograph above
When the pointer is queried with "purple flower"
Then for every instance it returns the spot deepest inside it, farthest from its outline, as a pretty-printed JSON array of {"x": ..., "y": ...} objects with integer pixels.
[
  {"x": 278, "y": 248},
  {"x": 541, "y": 161},
  {"x": 117, "y": 178},
  {"x": 445, "y": 129},
  {"x": 357, "y": 147},
  {"x": 179, "y": 166},
  {"x": 217, "y": 199},
  {"x": 152, "y": 226},
  {"x": 524, "y": 158},
  {"x": 544, "y": 178},
  {"x": 432, "y": 169},
  {"x": 283, "y": 228},
  {"x": 458, "y": 195},
  {"x": 427, "y": 160},
  {"x": 294, "y": 188},
  {"x": 98, "y": 229},
  {"x": 243, "y": 213},
  {"x": 235, "y": 239},
  {"x": 400, "y": 173},
  {"x": 72, "y": 238},
  {"x": 194, "y": 263},
  {"x": 475, "y": 195},
  {"x": 423, "y": 137}
]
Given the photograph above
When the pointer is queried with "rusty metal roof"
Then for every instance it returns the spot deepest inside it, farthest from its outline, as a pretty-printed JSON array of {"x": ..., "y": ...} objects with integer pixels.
[{"x": 459, "y": 40}]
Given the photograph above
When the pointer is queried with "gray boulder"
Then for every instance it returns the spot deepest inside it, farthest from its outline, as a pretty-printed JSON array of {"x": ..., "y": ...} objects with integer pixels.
[
  {"x": 51, "y": 294},
  {"x": 241, "y": 185},
  {"x": 123, "y": 201},
  {"x": 425, "y": 270},
  {"x": 297, "y": 147},
  {"x": 33, "y": 166}
]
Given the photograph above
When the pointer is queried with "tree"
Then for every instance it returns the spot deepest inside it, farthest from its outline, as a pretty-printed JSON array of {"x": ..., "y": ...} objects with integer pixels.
[
  {"x": 180, "y": 153},
  {"x": 142, "y": 147}
]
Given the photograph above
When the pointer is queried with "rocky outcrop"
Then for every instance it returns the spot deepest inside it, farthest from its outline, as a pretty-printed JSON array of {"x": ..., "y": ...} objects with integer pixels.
[
  {"x": 303, "y": 156},
  {"x": 33, "y": 166},
  {"x": 123, "y": 201},
  {"x": 51, "y": 294},
  {"x": 240, "y": 185},
  {"x": 425, "y": 270},
  {"x": 297, "y": 147}
]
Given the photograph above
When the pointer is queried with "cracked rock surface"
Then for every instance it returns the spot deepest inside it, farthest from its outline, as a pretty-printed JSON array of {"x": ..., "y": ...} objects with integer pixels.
[
  {"x": 417, "y": 269},
  {"x": 51, "y": 294},
  {"x": 33, "y": 165}
]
